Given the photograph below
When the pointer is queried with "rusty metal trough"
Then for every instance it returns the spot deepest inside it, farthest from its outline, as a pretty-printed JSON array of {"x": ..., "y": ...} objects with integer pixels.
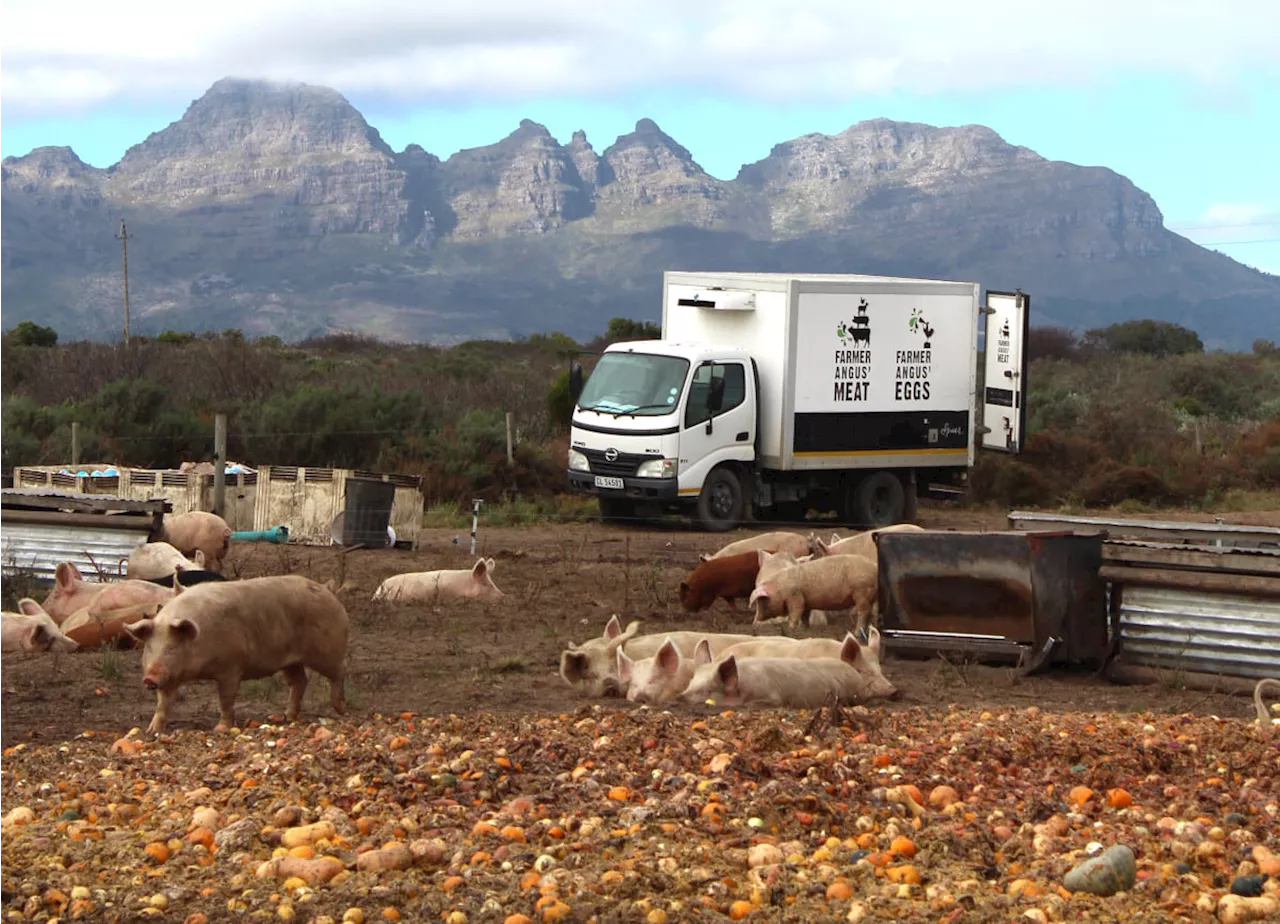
[{"x": 1033, "y": 597}]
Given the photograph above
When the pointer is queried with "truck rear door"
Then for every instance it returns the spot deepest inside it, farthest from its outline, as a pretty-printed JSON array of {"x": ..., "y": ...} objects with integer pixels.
[{"x": 1004, "y": 410}]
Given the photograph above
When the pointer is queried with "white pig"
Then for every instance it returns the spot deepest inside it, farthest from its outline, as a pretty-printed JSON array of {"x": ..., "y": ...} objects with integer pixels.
[
  {"x": 31, "y": 629},
  {"x": 439, "y": 586},
  {"x": 866, "y": 662},
  {"x": 243, "y": 630},
  {"x": 198, "y": 529},
  {"x": 658, "y": 679},
  {"x": 803, "y": 683},
  {"x": 836, "y": 582},
  {"x": 592, "y": 667},
  {"x": 863, "y": 544},
  {"x": 159, "y": 559},
  {"x": 781, "y": 541}
]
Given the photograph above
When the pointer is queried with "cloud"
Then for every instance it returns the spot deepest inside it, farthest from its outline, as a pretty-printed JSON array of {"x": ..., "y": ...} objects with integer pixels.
[{"x": 75, "y": 55}]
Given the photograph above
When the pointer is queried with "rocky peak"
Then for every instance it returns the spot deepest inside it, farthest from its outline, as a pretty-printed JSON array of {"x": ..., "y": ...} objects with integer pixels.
[
  {"x": 527, "y": 182},
  {"x": 593, "y": 171},
  {"x": 51, "y": 165}
]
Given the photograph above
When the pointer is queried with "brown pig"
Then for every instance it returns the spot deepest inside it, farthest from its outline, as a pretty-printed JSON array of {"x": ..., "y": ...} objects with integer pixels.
[
  {"x": 31, "y": 629},
  {"x": 440, "y": 586},
  {"x": 803, "y": 683},
  {"x": 780, "y": 541},
  {"x": 72, "y": 593},
  {"x": 732, "y": 577},
  {"x": 202, "y": 531},
  {"x": 243, "y": 630},
  {"x": 835, "y": 582}
]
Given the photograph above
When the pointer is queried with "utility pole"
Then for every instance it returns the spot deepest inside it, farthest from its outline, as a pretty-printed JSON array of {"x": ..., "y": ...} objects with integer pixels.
[{"x": 124, "y": 249}]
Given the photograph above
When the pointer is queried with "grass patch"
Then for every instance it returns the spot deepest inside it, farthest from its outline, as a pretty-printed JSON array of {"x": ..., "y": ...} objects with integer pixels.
[{"x": 514, "y": 511}]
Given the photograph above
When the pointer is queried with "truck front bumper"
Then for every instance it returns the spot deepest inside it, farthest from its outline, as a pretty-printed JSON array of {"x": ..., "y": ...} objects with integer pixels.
[{"x": 655, "y": 490}]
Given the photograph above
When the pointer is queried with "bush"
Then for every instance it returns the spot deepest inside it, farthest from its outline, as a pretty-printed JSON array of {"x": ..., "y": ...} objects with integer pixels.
[
  {"x": 1109, "y": 484},
  {"x": 28, "y": 333},
  {"x": 1051, "y": 343},
  {"x": 1152, "y": 338}
]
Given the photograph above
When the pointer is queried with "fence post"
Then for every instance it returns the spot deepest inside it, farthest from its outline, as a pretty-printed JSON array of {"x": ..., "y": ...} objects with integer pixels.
[
  {"x": 219, "y": 464},
  {"x": 511, "y": 455},
  {"x": 475, "y": 521},
  {"x": 75, "y": 444}
]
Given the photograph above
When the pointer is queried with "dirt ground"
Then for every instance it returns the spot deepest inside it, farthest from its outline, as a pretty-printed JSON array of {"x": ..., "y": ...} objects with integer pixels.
[{"x": 562, "y": 583}]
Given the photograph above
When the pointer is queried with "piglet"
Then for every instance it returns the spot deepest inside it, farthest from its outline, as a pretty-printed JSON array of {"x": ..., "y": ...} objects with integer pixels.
[
  {"x": 441, "y": 586},
  {"x": 31, "y": 629},
  {"x": 657, "y": 679},
  {"x": 803, "y": 683},
  {"x": 72, "y": 593},
  {"x": 866, "y": 662},
  {"x": 202, "y": 531},
  {"x": 243, "y": 630}
]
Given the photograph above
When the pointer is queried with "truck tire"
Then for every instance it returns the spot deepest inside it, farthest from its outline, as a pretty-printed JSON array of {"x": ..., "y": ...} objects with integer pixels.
[
  {"x": 720, "y": 501},
  {"x": 613, "y": 510},
  {"x": 878, "y": 500}
]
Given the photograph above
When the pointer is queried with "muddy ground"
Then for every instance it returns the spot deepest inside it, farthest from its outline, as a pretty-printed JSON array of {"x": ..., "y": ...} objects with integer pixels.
[{"x": 562, "y": 583}]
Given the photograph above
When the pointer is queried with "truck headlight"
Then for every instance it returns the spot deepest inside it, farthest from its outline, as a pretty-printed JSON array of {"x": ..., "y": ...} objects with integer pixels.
[
  {"x": 578, "y": 462},
  {"x": 657, "y": 468}
]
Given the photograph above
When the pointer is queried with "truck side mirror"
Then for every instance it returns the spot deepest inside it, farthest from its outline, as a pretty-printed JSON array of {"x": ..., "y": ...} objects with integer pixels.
[
  {"x": 575, "y": 382},
  {"x": 715, "y": 395}
]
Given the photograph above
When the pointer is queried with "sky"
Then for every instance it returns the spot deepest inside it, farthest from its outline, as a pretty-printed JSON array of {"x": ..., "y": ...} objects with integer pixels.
[{"x": 1181, "y": 96}]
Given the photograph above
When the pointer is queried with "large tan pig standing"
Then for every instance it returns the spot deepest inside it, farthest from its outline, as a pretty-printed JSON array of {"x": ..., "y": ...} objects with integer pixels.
[
  {"x": 72, "y": 593},
  {"x": 442, "y": 586},
  {"x": 200, "y": 531},
  {"x": 835, "y": 582},
  {"x": 243, "y": 630}
]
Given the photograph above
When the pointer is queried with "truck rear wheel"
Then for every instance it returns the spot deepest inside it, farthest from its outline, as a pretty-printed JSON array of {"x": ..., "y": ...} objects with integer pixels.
[
  {"x": 720, "y": 501},
  {"x": 878, "y": 500}
]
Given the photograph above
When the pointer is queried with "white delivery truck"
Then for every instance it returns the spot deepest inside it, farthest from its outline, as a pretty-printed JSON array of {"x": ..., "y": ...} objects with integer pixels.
[{"x": 771, "y": 394}]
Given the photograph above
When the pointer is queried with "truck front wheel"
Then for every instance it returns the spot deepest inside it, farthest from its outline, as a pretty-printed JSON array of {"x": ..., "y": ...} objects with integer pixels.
[
  {"x": 720, "y": 501},
  {"x": 878, "y": 500}
]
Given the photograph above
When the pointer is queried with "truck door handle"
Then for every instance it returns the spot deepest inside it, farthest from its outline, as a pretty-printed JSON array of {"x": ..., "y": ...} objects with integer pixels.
[{"x": 742, "y": 437}]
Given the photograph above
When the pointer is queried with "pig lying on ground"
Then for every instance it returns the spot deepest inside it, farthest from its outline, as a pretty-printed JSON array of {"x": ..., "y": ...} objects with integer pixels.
[
  {"x": 72, "y": 593},
  {"x": 153, "y": 560},
  {"x": 592, "y": 667},
  {"x": 31, "y": 629},
  {"x": 781, "y": 541},
  {"x": 731, "y": 577},
  {"x": 837, "y": 582},
  {"x": 198, "y": 530},
  {"x": 803, "y": 683},
  {"x": 243, "y": 630},
  {"x": 655, "y": 680},
  {"x": 866, "y": 663},
  {"x": 440, "y": 586},
  {"x": 90, "y": 629}
]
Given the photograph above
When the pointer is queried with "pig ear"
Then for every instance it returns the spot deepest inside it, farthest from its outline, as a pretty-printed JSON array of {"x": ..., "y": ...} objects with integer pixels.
[
  {"x": 704, "y": 557},
  {"x": 185, "y": 629},
  {"x": 490, "y": 564},
  {"x": 850, "y": 649},
  {"x": 29, "y": 607},
  {"x": 835, "y": 537},
  {"x": 702, "y": 654},
  {"x": 668, "y": 657},
  {"x": 873, "y": 641},
  {"x": 818, "y": 549},
  {"x": 613, "y": 627},
  {"x": 38, "y": 636},
  {"x": 632, "y": 628},
  {"x": 573, "y": 665},
  {"x": 178, "y": 586},
  {"x": 141, "y": 630},
  {"x": 763, "y": 556},
  {"x": 479, "y": 568},
  {"x": 66, "y": 575},
  {"x": 684, "y": 589},
  {"x": 624, "y": 666},
  {"x": 199, "y": 559},
  {"x": 728, "y": 672}
]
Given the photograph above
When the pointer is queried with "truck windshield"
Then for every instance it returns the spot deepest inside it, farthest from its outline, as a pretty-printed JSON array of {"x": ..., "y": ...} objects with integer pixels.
[{"x": 635, "y": 383}]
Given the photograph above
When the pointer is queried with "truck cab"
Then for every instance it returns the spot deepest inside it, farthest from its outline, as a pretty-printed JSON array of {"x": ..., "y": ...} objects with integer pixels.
[{"x": 656, "y": 419}]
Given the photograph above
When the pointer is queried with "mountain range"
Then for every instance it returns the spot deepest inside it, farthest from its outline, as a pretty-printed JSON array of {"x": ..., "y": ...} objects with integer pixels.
[{"x": 277, "y": 209}]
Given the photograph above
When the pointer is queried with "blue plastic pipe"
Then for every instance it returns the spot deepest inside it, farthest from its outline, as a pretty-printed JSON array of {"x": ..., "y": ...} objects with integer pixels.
[{"x": 279, "y": 534}]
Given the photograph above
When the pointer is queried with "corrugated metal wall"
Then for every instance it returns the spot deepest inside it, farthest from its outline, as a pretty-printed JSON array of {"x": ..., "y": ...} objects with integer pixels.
[
  {"x": 1174, "y": 629},
  {"x": 39, "y": 547}
]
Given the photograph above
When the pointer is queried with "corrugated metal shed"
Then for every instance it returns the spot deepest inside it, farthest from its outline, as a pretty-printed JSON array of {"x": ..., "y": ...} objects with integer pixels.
[
  {"x": 39, "y": 547},
  {"x": 1221, "y": 534},
  {"x": 1212, "y": 633}
]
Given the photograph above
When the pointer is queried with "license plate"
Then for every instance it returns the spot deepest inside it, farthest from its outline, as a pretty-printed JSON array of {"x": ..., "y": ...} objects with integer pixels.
[{"x": 603, "y": 481}]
